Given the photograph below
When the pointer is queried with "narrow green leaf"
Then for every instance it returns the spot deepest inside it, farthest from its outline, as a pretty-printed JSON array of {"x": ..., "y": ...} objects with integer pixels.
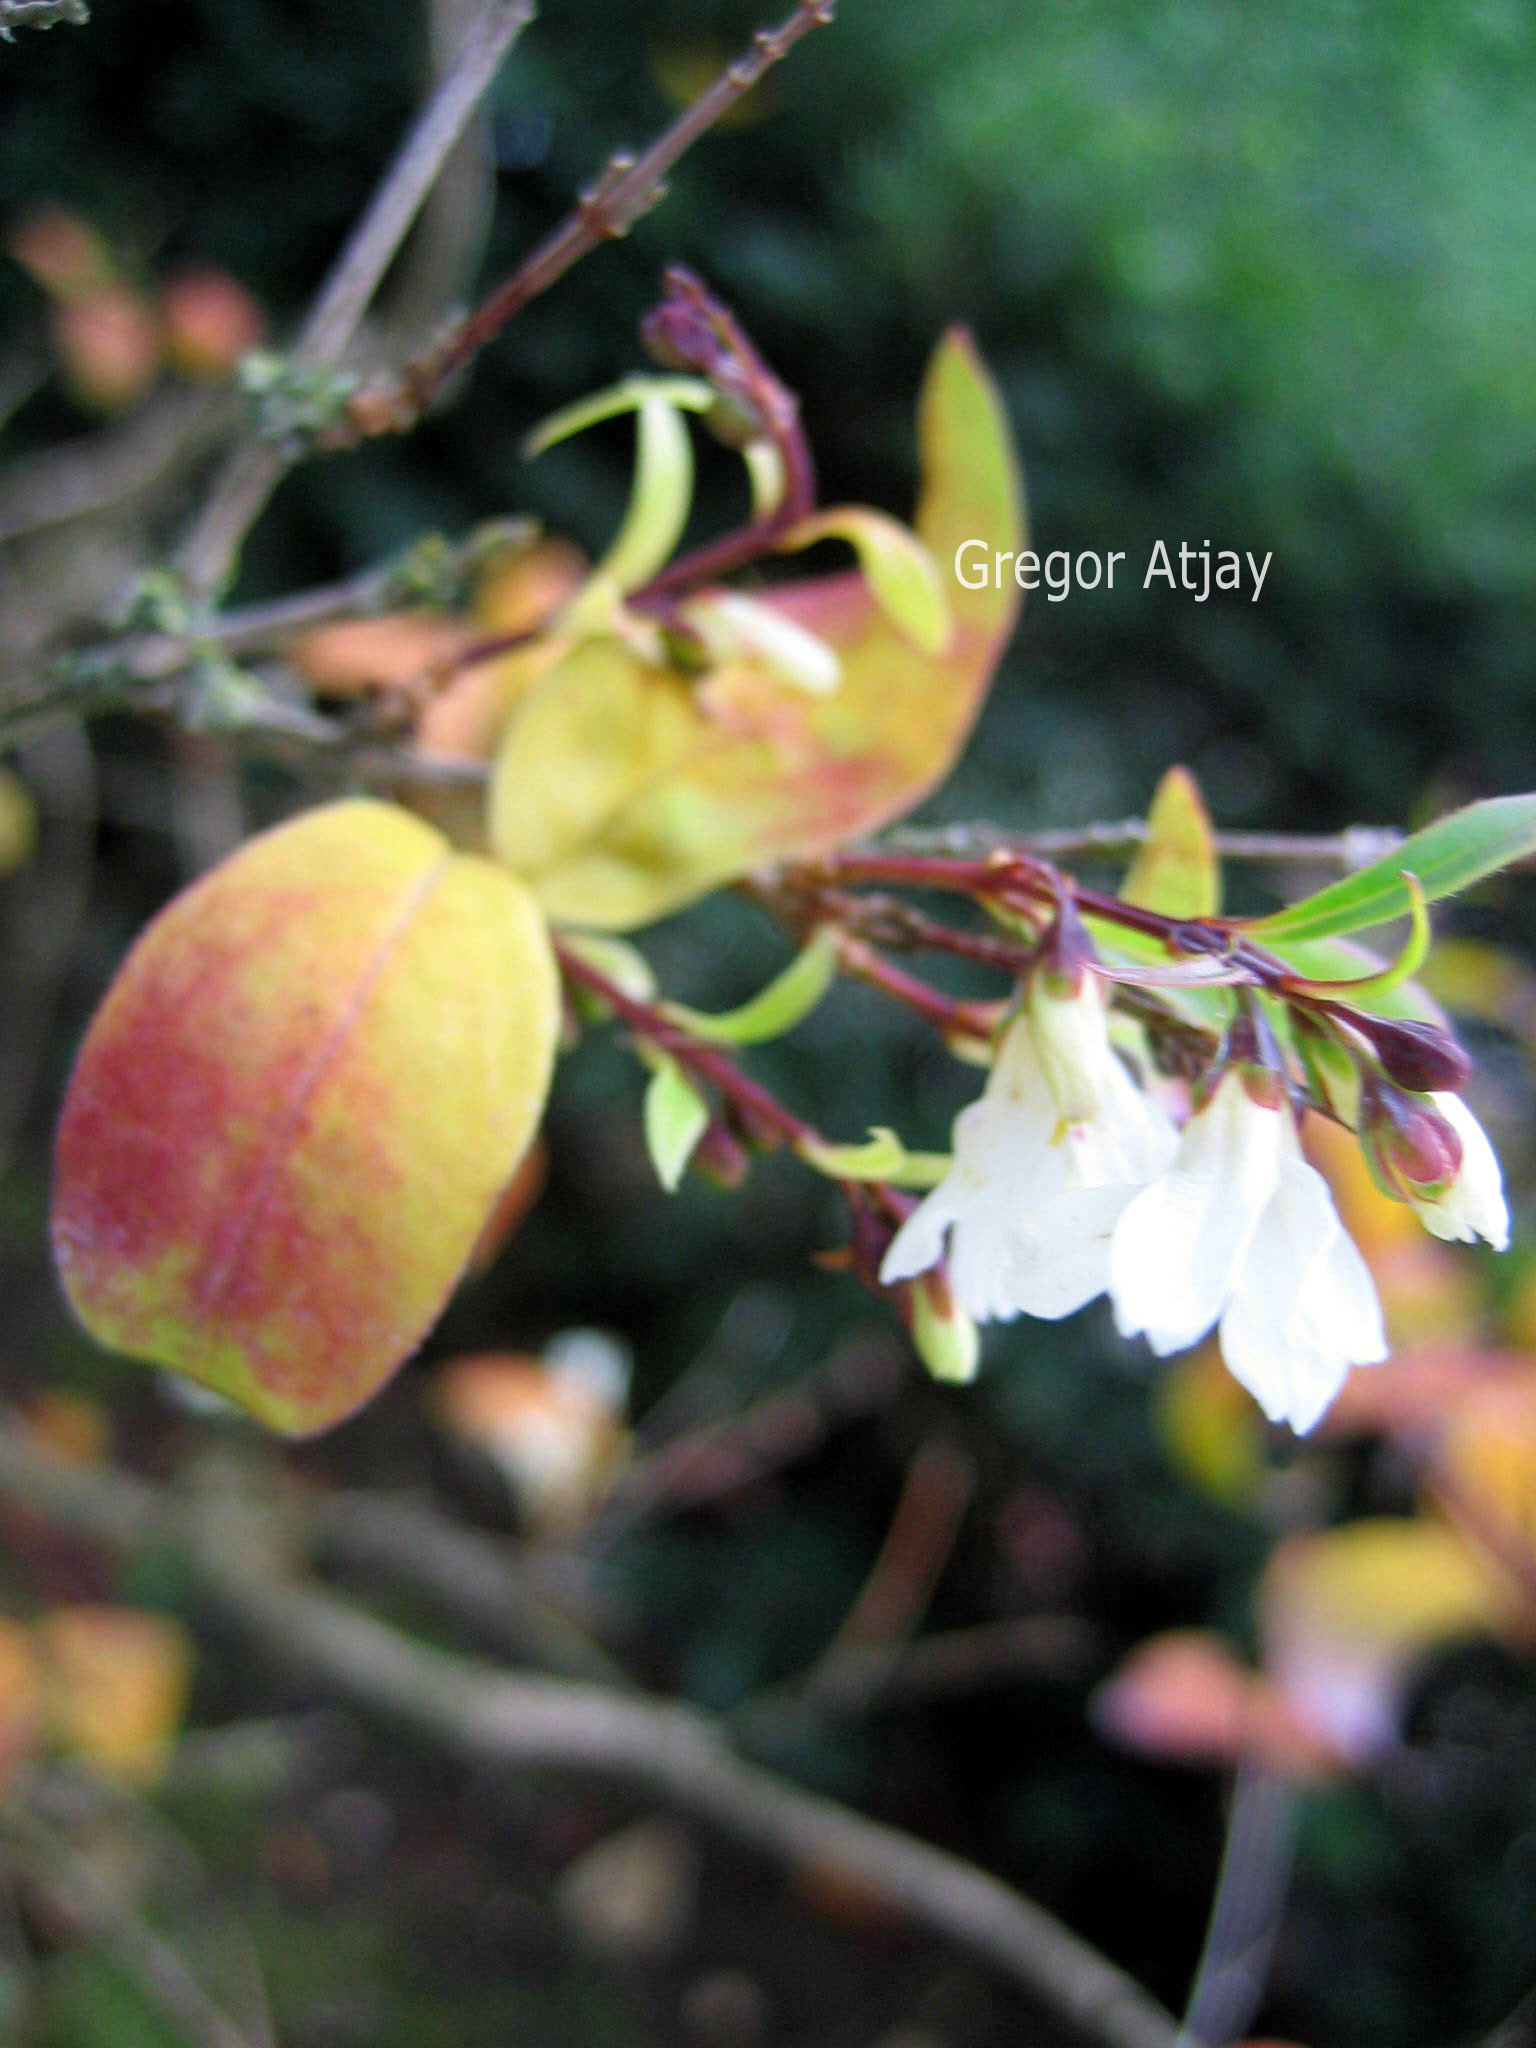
[
  {"x": 676, "y": 1116},
  {"x": 689, "y": 394},
  {"x": 778, "y": 1008},
  {"x": 659, "y": 498},
  {"x": 881, "y": 1157},
  {"x": 1449, "y": 855},
  {"x": 1376, "y": 985}
]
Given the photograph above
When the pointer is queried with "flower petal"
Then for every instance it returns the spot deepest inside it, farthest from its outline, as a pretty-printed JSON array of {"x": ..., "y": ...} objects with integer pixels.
[
  {"x": 1473, "y": 1206},
  {"x": 1304, "y": 1307},
  {"x": 1058, "y": 1254},
  {"x": 1179, "y": 1247}
]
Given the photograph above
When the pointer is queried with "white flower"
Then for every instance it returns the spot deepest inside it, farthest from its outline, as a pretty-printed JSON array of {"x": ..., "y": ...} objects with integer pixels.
[
  {"x": 1473, "y": 1205},
  {"x": 1240, "y": 1228},
  {"x": 1037, "y": 1186}
]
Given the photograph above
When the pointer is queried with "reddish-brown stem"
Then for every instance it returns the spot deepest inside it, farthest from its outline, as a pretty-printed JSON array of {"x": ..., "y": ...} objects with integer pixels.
[
  {"x": 608, "y": 208},
  {"x": 765, "y": 1111},
  {"x": 951, "y": 1015}
]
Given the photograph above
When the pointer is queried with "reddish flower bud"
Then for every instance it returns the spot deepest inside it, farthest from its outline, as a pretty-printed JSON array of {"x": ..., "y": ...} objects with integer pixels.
[
  {"x": 719, "y": 1157},
  {"x": 1424, "y": 1058},
  {"x": 1412, "y": 1150}
]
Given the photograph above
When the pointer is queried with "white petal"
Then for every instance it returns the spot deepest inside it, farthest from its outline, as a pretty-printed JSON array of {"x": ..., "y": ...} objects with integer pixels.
[
  {"x": 1304, "y": 1307},
  {"x": 1058, "y": 1256},
  {"x": 1001, "y": 1143},
  {"x": 1136, "y": 1137},
  {"x": 919, "y": 1243},
  {"x": 1473, "y": 1205},
  {"x": 1180, "y": 1245}
]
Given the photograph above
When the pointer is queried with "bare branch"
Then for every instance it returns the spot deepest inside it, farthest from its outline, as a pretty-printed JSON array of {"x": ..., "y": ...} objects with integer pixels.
[
  {"x": 627, "y": 189},
  {"x": 504, "y": 1723},
  {"x": 1354, "y": 848},
  {"x": 252, "y": 473}
]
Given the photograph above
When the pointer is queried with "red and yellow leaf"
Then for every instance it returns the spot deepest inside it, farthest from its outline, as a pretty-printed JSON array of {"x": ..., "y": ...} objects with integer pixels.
[
  {"x": 297, "y": 1106},
  {"x": 624, "y": 790}
]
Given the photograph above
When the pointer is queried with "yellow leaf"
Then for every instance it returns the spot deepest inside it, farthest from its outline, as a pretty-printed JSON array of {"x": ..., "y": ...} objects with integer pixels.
[
  {"x": 624, "y": 790},
  {"x": 1175, "y": 870},
  {"x": 297, "y": 1106}
]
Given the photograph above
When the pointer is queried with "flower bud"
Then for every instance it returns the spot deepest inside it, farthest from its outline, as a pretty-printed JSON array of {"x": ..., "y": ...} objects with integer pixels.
[
  {"x": 1331, "y": 1068},
  {"x": 1066, "y": 1015},
  {"x": 944, "y": 1335},
  {"x": 1419, "y": 1056},
  {"x": 719, "y": 1158},
  {"x": 1412, "y": 1150}
]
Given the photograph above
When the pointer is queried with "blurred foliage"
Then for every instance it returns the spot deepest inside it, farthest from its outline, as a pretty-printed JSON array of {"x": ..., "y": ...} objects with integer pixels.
[{"x": 1260, "y": 277}]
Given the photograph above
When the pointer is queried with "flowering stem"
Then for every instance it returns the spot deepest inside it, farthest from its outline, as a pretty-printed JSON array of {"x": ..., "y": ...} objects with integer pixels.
[{"x": 764, "y": 1111}]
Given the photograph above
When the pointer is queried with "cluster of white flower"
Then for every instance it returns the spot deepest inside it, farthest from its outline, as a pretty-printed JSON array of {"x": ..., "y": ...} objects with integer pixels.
[{"x": 1070, "y": 1181}]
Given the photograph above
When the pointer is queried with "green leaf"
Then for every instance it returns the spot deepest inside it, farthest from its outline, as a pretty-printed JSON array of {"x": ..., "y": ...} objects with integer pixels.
[
  {"x": 689, "y": 394},
  {"x": 659, "y": 498},
  {"x": 778, "y": 1008},
  {"x": 1346, "y": 960},
  {"x": 902, "y": 576},
  {"x": 881, "y": 1157},
  {"x": 676, "y": 1116},
  {"x": 1176, "y": 871},
  {"x": 1449, "y": 855}
]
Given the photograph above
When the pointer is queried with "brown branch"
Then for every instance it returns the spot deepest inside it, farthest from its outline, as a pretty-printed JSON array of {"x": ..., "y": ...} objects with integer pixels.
[
  {"x": 253, "y": 472},
  {"x": 854, "y": 1678},
  {"x": 627, "y": 189},
  {"x": 489, "y": 1584},
  {"x": 935, "y": 1493},
  {"x": 715, "y": 1459},
  {"x": 50, "y": 1859},
  {"x": 505, "y": 1724}
]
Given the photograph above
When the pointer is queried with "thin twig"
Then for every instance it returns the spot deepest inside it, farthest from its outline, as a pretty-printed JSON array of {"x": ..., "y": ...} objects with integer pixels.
[
  {"x": 715, "y": 1459},
  {"x": 1246, "y": 1912},
  {"x": 144, "y": 1956},
  {"x": 1355, "y": 848},
  {"x": 488, "y": 1585},
  {"x": 935, "y": 1493},
  {"x": 628, "y": 188},
  {"x": 104, "y": 469},
  {"x": 252, "y": 473},
  {"x": 855, "y": 1679},
  {"x": 506, "y": 1724}
]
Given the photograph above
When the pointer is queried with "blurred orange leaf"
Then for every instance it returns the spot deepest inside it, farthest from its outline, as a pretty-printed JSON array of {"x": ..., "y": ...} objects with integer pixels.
[
  {"x": 1184, "y": 1697},
  {"x": 117, "y": 1686},
  {"x": 554, "y": 1439},
  {"x": 1346, "y": 1613}
]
